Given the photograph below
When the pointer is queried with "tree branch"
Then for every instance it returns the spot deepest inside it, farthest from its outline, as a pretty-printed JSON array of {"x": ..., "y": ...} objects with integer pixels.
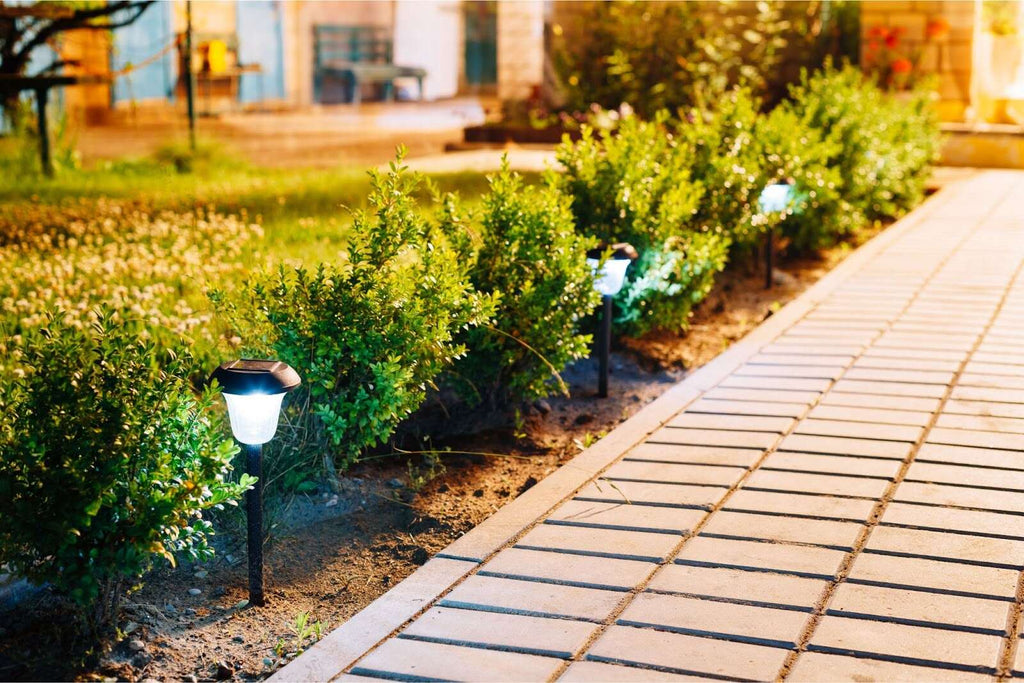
[
  {"x": 56, "y": 64},
  {"x": 80, "y": 20}
]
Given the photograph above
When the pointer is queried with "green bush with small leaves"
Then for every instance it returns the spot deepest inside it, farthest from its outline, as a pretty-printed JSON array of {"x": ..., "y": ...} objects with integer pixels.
[
  {"x": 670, "y": 281},
  {"x": 794, "y": 151},
  {"x": 632, "y": 185},
  {"x": 107, "y": 462},
  {"x": 663, "y": 55},
  {"x": 635, "y": 186},
  {"x": 882, "y": 147},
  {"x": 368, "y": 335},
  {"x": 525, "y": 253},
  {"x": 727, "y": 162}
]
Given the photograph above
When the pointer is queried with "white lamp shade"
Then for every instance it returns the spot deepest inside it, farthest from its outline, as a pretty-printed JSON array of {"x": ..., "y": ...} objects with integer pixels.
[
  {"x": 609, "y": 278},
  {"x": 254, "y": 416},
  {"x": 775, "y": 197}
]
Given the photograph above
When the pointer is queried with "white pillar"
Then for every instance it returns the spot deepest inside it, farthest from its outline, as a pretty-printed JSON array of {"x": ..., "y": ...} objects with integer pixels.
[{"x": 520, "y": 47}]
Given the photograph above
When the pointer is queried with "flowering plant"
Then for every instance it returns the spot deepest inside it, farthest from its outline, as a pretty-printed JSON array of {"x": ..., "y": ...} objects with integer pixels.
[{"x": 893, "y": 62}]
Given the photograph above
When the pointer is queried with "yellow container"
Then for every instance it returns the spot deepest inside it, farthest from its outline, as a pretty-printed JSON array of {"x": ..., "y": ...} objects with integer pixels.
[{"x": 217, "y": 56}]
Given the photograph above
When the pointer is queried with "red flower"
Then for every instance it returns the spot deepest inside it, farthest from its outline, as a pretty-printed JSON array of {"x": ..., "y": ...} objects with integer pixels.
[
  {"x": 901, "y": 65},
  {"x": 878, "y": 32},
  {"x": 937, "y": 29},
  {"x": 892, "y": 40}
]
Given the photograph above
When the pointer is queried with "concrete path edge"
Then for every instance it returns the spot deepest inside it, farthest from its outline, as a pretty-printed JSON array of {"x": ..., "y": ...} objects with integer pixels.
[{"x": 387, "y": 614}]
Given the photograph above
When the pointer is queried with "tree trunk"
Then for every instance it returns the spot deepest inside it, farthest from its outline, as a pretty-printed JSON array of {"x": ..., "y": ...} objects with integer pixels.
[{"x": 9, "y": 100}]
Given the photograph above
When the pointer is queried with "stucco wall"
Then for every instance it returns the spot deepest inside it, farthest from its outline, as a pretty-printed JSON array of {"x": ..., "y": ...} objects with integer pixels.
[{"x": 428, "y": 34}]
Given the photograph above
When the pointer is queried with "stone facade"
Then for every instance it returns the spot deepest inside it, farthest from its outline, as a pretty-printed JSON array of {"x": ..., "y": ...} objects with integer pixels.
[
  {"x": 520, "y": 48},
  {"x": 936, "y": 34}
]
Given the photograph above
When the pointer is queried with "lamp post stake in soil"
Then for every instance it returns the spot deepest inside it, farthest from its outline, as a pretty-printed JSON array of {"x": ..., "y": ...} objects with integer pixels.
[
  {"x": 254, "y": 519},
  {"x": 775, "y": 198},
  {"x": 254, "y": 390},
  {"x": 604, "y": 345},
  {"x": 609, "y": 265}
]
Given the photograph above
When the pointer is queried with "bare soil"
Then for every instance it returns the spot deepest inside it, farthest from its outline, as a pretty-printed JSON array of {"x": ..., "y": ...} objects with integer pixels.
[{"x": 331, "y": 555}]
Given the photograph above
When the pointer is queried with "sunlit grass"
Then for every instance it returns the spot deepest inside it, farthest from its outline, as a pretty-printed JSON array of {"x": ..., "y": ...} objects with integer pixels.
[
  {"x": 304, "y": 212},
  {"x": 154, "y": 236}
]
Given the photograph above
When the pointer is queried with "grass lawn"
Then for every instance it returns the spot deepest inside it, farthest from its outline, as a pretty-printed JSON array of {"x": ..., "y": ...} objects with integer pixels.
[
  {"x": 303, "y": 212},
  {"x": 152, "y": 241}
]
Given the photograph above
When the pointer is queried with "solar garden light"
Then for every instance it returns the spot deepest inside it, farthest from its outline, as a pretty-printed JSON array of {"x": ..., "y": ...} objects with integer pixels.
[
  {"x": 609, "y": 276},
  {"x": 253, "y": 390},
  {"x": 775, "y": 198}
]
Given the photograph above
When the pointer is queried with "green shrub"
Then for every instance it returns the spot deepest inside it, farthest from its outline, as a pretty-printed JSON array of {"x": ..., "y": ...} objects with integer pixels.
[
  {"x": 19, "y": 147},
  {"x": 634, "y": 186},
  {"x": 670, "y": 280},
  {"x": 206, "y": 156},
  {"x": 727, "y": 162},
  {"x": 368, "y": 335},
  {"x": 662, "y": 55},
  {"x": 631, "y": 186},
  {"x": 528, "y": 255},
  {"x": 106, "y": 463},
  {"x": 792, "y": 150},
  {"x": 882, "y": 146},
  {"x": 914, "y": 142}
]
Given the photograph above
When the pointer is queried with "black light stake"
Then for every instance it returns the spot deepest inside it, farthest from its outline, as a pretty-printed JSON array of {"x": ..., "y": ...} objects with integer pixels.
[
  {"x": 604, "y": 344},
  {"x": 775, "y": 198},
  {"x": 609, "y": 276},
  {"x": 253, "y": 390}
]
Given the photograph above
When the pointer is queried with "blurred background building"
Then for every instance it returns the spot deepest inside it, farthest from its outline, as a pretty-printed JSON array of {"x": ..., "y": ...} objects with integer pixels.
[
  {"x": 268, "y": 54},
  {"x": 475, "y": 56}
]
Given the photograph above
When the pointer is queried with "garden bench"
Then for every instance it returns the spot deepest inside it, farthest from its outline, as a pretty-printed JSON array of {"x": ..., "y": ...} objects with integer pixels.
[{"x": 357, "y": 55}]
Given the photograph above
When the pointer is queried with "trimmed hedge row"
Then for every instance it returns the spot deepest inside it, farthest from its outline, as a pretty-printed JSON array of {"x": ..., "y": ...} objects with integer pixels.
[
  {"x": 495, "y": 302},
  {"x": 107, "y": 461}
]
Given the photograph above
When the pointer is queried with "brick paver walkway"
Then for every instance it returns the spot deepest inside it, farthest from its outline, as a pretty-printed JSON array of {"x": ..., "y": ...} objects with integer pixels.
[{"x": 844, "y": 504}]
